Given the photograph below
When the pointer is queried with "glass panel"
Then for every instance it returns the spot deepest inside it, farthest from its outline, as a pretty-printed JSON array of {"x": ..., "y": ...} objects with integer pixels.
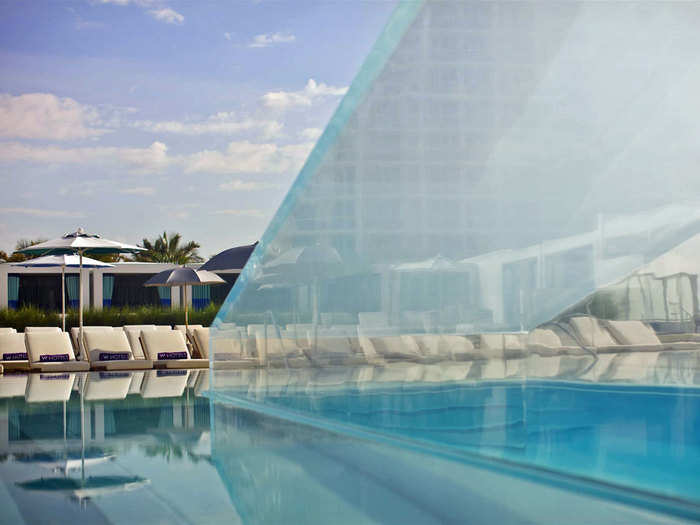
[{"x": 494, "y": 167}]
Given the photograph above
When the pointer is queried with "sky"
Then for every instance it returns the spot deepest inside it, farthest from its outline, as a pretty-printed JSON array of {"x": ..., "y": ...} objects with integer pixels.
[{"x": 133, "y": 117}]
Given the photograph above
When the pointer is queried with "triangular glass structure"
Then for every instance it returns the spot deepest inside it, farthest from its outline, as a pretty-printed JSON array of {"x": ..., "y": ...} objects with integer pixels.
[{"x": 493, "y": 166}]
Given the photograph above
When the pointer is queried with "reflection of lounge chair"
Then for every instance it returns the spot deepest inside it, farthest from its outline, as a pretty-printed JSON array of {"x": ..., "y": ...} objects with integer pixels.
[
  {"x": 45, "y": 387},
  {"x": 592, "y": 335},
  {"x": 13, "y": 352},
  {"x": 639, "y": 337},
  {"x": 13, "y": 385},
  {"x": 202, "y": 384},
  {"x": 164, "y": 383},
  {"x": 136, "y": 381},
  {"x": 53, "y": 352},
  {"x": 167, "y": 349},
  {"x": 111, "y": 351},
  {"x": 107, "y": 385},
  {"x": 545, "y": 342},
  {"x": 501, "y": 345}
]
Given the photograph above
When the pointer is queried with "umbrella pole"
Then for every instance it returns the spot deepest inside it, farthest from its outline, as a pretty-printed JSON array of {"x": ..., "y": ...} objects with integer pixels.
[
  {"x": 63, "y": 296},
  {"x": 186, "y": 321},
  {"x": 80, "y": 301},
  {"x": 82, "y": 432}
]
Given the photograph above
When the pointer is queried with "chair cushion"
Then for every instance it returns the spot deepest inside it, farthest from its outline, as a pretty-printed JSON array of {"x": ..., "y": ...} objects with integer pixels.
[
  {"x": 107, "y": 346},
  {"x": 7, "y": 330},
  {"x": 47, "y": 344},
  {"x": 37, "y": 329},
  {"x": 201, "y": 339},
  {"x": 157, "y": 342},
  {"x": 544, "y": 337},
  {"x": 12, "y": 347}
]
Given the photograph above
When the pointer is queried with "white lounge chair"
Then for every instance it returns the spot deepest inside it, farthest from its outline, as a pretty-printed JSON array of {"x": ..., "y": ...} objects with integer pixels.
[
  {"x": 640, "y": 337},
  {"x": 545, "y": 342},
  {"x": 169, "y": 350},
  {"x": 501, "y": 345},
  {"x": 111, "y": 351},
  {"x": 78, "y": 345},
  {"x": 13, "y": 352},
  {"x": 38, "y": 329},
  {"x": 189, "y": 337},
  {"x": 53, "y": 352},
  {"x": 7, "y": 330}
]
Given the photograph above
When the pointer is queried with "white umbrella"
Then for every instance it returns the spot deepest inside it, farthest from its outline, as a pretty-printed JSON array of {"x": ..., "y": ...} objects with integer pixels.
[
  {"x": 81, "y": 243},
  {"x": 64, "y": 261},
  {"x": 183, "y": 276}
]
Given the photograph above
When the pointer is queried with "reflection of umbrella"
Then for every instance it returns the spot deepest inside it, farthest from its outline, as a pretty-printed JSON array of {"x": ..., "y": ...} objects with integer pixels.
[
  {"x": 231, "y": 259},
  {"x": 304, "y": 265},
  {"x": 89, "y": 488},
  {"x": 434, "y": 264},
  {"x": 81, "y": 243},
  {"x": 184, "y": 276},
  {"x": 64, "y": 261}
]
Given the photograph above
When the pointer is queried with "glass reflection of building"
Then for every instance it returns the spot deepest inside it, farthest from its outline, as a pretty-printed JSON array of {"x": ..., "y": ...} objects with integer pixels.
[{"x": 527, "y": 146}]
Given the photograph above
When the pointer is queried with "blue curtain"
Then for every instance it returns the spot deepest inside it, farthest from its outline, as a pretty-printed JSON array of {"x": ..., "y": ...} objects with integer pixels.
[
  {"x": 164, "y": 295},
  {"x": 107, "y": 289},
  {"x": 13, "y": 291},
  {"x": 201, "y": 296},
  {"x": 73, "y": 290}
]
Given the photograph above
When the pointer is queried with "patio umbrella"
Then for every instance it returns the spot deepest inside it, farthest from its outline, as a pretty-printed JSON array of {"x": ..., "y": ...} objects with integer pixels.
[
  {"x": 231, "y": 259},
  {"x": 184, "y": 276},
  {"x": 80, "y": 243},
  {"x": 64, "y": 261}
]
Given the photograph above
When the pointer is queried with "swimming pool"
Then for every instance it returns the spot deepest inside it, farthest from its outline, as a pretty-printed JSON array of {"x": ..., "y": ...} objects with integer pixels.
[{"x": 344, "y": 446}]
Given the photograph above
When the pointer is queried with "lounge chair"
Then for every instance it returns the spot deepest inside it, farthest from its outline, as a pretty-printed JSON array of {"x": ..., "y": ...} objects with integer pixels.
[
  {"x": 13, "y": 352},
  {"x": 164, "y": 383},
  {"x": 13, "y": 385},
  {"x": 107, "y": 385},
  {"x": 39, "y": 329},
  {"x": 167, "y": 349},
  {"x": 53, "y": 352},
  {"x": 111, "y": 351},
  {"x": 7, "y": 330},
  {"x": 78, "y": 345},
  {"x": 49, "y": 386},
  {"x": 272, "y": 349},
  {"x": 189, "y": 337}
]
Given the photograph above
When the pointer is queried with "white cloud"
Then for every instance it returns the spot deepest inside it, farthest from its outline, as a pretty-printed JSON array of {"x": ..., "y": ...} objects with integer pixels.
[
  {"x": 311, "y": 133},
  {"x": 269, "y": 39},
  {"x": 248, "y": 157},
  {"x": 45, "y": 116},
  {"x": 155, "y": 8},
  {"x": 303, "y": 98},
  {"x": 167, "y": 15},
  {"x": 241, "y": 213},
  {"x": 41, "y": 212},
  {"x": 138, "y": 190},
  {"x": 238, "y": 157},
  {"x": 240, "y": 185},
  {"x": 153, "y": 158},
  {"x": 223, "y": 123}
]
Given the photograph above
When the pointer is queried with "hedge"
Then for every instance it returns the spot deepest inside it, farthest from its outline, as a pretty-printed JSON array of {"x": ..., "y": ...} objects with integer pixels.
[{"x": 29, "y": 316}]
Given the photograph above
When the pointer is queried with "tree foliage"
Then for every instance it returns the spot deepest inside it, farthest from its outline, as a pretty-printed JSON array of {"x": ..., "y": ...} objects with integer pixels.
[
  {"x": 169, "y": 248},
  {"x": 19, "y": 257}
]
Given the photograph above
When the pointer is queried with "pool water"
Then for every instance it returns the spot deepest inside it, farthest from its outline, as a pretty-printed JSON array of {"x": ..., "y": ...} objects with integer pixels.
[{"x": 319, "y": 446}]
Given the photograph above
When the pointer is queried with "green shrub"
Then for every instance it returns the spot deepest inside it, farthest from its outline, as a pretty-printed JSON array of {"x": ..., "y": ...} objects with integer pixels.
[{"x": 30, "y": 316}]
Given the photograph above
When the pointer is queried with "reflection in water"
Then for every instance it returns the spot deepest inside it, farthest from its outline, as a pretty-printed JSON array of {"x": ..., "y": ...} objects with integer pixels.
[{"x": 396, "y": 443}]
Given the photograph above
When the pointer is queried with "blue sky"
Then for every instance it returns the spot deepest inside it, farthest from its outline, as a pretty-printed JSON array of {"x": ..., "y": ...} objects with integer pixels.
[{"x": 130, "y": 117}]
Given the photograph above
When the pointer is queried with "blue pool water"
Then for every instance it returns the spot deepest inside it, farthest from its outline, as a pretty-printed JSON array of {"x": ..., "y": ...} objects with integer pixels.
[{"x": 326, "y": 446}]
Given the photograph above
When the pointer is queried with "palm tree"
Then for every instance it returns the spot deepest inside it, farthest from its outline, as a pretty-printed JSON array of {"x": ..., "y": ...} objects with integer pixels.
[{"x": 167, "y": 248}]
